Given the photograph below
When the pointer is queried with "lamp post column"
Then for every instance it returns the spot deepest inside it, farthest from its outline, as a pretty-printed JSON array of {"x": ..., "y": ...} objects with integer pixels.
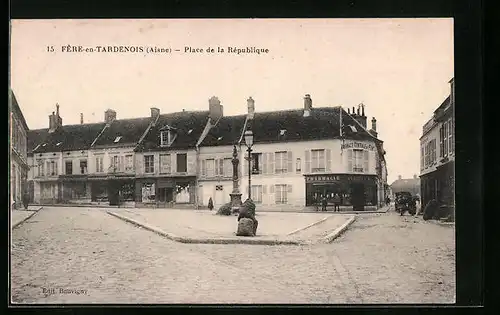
[{"x": 249, "y": 173}]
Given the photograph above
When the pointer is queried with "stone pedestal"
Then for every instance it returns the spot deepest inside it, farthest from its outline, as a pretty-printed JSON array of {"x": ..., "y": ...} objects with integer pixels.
[{"x": 235, "y": 202}]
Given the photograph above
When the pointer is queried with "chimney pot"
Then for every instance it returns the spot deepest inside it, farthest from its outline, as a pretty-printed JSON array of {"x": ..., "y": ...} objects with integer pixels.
[
  {"x": 399, "y": 177},
  {"x": 215, "y": 109},
  {"x": 251, "y": 107},
  {"x": 353, "y": 110},
  {"x": 362, "y": 110},
  {"x": 81, "y": 118},
  {"x": 348, "y": 110},
  {"x": 307, "y": 105},
  {"x": 374, "y": 124},
  {"x": 109, "y": 116}
]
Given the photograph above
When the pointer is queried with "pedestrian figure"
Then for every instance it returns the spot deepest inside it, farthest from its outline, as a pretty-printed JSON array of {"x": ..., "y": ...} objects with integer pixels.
[
  {"x": 26, "y": 199},
  {"x": 324, "y": 202},
  {"x": 336, "y": 202},
  {"x": 210, "y": 204}
]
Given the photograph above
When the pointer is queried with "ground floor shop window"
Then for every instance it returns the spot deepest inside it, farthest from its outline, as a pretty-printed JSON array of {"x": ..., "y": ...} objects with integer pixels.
[
  {"x": 148, "y": 193},
  {"x": 182, "y": 193},
  {"x": 78, "y": 191},
  {"x": 99, "y": 192},
  {"x": 127, "y": 192}
]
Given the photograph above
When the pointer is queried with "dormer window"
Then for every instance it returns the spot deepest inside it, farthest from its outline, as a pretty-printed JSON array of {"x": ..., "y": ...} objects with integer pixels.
[
  {"x": 167, "y": 137},
  {"x": 45, "y": 144},
  {"x": 59, "y": 143},
  {"x": 282, "y": 132},
  {"x": 353, "y": 128},
  {"x": 117, "y": 139},
  {"x": 219, "y": 139},
  {"x": 189, "y": 131}
]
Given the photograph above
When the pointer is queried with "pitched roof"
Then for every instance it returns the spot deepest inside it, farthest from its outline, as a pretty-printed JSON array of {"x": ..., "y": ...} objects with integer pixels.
[
  {"x": 65, "y": 138},
  {"x": 188, "y": 126},
  {"x": 226, "y": 132},
  {"x": 405, "y": 184},
  {"x": 291, "y": 125},
  {"x": 122, "y": 132},
  {"x": 17, "y": 110}
]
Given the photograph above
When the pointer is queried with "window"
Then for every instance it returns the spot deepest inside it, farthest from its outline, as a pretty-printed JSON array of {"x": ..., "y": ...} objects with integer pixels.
[
  {"x": 52, "y": 168},
  {"x": 99, "y": 167},
  {"x": 219, "y": 167},
  {"x": 228, "y": 167},
  {"x": 117, "y": 139},
  {"x": 422, "y": 158},
  {"x": 298, "y": 166},
  {"x": 129, "y": 162},
  {"x": 116, "y": 163},
  {"x": 358, "y": 160},
  {"x": 167, "y": 137},
  {"x": 317, "y": 160},
  {"x": 450, "y": 136},
  {"x": 68, "y": 167},
  {"x": 149, "y": 164},
  {"x": 256, "y": 163},
  {"x": 83, "y": 166},
  {"x": 41, "y": 171},
  {"x": 257, "y": 193},
  {"x": 280, "y": 162},
  {"x": 165, "y": 163},
  {"x": 181, "y": 162},
  {"x": 280, "y": 194},
  {"x": 210, "y": 167},
  {"x": 443, "y": 139}
]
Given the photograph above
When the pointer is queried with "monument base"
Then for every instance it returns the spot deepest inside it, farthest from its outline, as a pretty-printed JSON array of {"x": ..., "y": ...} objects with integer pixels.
[{"x": 235, "y": 202}]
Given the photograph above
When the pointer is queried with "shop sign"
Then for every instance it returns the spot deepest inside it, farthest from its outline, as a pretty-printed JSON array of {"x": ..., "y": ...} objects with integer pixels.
[
  {"x": 334, "y": 178},
  {"x": 357, "y": 145}
]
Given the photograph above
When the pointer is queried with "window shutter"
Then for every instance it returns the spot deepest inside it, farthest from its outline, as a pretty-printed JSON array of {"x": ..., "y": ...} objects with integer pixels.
[
  {"x": 308, "y": 161},
  {"x": 264, "y": 163},
  {"x": 221, "y": 167},
  {"x": 367, "y": 156},
  {"x": 328, "y": 160},
  {"x": 271, "y": 189},
  {"x": 245, "y": 167},
  {"x": 264, "y": 189},
  {"x": 216, "y": 167},
  {"x": 203, "y": 167},
  {"x": 289, "y": 187},
  {"x": 271, "y": 164},
  {"x": 122, "y": 162},
  {"x": 349, "y": 160},
  {"x": 290, "y": 162}
]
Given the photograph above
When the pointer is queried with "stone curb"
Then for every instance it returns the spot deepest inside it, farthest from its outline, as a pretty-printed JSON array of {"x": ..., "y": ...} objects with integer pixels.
[
  {"x": 310, "y": 225},
  {"x": 330, "y": 237},
  {"x": 188, "y": 240},
  {"x": 28, "y": 217}
]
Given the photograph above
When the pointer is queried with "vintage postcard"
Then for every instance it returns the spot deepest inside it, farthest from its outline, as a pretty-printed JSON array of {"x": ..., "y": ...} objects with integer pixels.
[{"x": 232, "y": 161}]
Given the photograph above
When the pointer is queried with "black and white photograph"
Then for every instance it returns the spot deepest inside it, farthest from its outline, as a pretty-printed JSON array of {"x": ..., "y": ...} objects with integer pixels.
[{"x": 232, "y": 161}]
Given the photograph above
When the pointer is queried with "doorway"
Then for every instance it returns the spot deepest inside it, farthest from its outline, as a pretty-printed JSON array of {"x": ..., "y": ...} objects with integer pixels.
[
  {"x": 219, "y": 196},
  {"x": 358, "y": 197},
  {"x": 166, "y": 194}
]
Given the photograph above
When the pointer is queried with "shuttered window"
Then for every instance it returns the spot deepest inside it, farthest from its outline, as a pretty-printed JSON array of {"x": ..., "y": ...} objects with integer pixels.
[
  {"x": 203, "y": 168},
  {"x": 349, "y": 160},
  {"x": 210, "y": 164},
  {"x": 317, "y": 161},
  {"x": 328, "y": 160},
  {"x": 365, "y": 164},
  {"x": 228, "y": 167},
  {"x": 165, "y": 163},
  {"x": 280, "y": 162},
  {"x": 308, "y": 161},
  {"x": 280, "y": 194}
]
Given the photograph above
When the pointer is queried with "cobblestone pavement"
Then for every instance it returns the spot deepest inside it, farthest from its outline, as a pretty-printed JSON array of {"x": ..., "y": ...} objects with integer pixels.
[{"x": 382, "y": 258}]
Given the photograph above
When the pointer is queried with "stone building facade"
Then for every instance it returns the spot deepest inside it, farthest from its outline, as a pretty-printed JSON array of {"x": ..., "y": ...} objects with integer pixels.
[{"x": 19, "y": 166}]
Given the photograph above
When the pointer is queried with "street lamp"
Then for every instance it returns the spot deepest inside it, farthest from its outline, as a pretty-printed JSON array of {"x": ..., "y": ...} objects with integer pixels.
[{"x": 249, "y": 144}]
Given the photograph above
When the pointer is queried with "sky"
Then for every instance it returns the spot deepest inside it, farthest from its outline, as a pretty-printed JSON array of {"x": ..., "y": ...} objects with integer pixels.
[{"x": 398, "y": 68}]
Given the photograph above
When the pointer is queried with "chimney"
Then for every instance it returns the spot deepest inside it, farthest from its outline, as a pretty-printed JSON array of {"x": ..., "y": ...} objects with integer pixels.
[
  {"x": 348, "y": 110},
  {"x": 415, "y": 176},
  {"x": 399, "y": 177},
  {"x": 81, "y": 118},
  {"x": 109, "y": 116},
  {"x": 374, "y": 124},
  {"x": 52, "y": 122},
  {"x": 251, "y": 107},
  {"x": 58, "y": 117},
  {"x": 215, "y": 109},
  {"x": 307, "y": 105},
  {"x": 155, "y": 113}
]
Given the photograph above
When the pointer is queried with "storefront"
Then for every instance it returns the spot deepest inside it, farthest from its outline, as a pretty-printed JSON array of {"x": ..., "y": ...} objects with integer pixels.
[
  {"x": 113, "y": 190},
  {"x": 439, "y": 185},
  {"x": 165, "y": 191},
  {"x": 74, "y": 189},
  {"x": 357, "y": 191}
]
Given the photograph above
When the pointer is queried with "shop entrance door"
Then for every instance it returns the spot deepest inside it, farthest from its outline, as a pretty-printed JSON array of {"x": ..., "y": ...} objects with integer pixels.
[
  {"x": 358, "y": 197},
  {"x": 166, "y": 194}
]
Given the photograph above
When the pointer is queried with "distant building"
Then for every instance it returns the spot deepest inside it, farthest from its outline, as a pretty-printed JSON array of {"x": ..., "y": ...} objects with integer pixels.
[
  {"x": 18, "y": 152},
  {"x": 437, "y": 153},
  {"x": 406, "y": 184}
]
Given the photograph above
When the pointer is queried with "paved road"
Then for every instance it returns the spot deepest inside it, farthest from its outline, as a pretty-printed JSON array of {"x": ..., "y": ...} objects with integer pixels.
[{"x": 96, "y": 258}]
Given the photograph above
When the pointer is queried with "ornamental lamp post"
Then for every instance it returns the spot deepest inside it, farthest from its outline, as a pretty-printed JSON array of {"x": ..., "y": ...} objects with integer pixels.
[{"x": 249, "y": 144}]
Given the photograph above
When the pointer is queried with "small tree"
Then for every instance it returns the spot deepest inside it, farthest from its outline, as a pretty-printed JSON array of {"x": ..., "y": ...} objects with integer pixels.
[{"x": 210, "y": 204}]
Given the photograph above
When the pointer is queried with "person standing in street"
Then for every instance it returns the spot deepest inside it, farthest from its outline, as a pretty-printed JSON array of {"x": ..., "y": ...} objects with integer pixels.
[
  {"x": 324, "y": 202},
  {"x": 336, "y": 203}
]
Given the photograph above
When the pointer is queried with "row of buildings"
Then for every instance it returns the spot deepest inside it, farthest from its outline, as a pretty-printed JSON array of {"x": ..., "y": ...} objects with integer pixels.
[
  {"x": 437, "y": 154},
  {"x": 184, "y": 158}
]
